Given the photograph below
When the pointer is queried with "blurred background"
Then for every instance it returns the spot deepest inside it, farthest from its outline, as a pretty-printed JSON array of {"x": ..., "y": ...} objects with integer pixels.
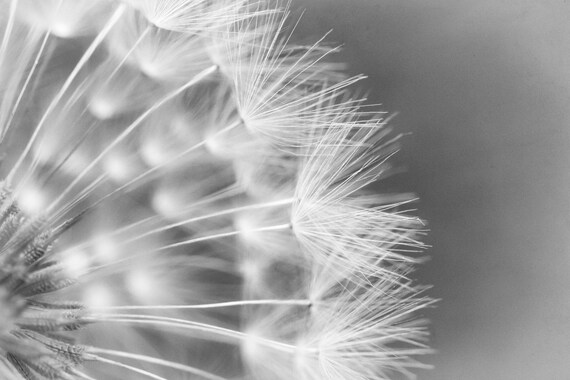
[{"x": 484, "y": 88}]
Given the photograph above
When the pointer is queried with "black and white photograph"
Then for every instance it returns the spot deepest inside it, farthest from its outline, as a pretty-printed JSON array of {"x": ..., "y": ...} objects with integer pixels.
[{"x": 284, "y": 189}]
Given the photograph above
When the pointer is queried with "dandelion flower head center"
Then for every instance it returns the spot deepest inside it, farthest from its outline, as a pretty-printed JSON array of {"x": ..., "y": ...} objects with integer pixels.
[{"x": 30, "y": 324}]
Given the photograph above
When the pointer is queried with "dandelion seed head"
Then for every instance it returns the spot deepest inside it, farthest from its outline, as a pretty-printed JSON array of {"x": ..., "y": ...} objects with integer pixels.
[{"x": 186, "y": 193}]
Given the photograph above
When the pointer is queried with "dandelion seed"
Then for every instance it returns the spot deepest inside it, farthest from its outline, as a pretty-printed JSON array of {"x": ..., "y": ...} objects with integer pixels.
[{"x": 185, "y": 195}]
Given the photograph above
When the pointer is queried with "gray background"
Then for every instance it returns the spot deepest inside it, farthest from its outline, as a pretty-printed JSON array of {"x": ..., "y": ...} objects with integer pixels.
[{"x": 484, "y": 87}]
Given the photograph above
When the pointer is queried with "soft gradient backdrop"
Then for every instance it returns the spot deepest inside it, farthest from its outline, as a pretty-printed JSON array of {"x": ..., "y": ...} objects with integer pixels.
[{"x": 484, "y": 87}]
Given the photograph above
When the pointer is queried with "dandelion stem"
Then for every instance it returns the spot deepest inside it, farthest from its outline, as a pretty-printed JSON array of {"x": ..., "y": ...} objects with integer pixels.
[
  {"x": 25, "y": 85},
  {"x": 128, "y": 54},
  {"x": 214, "y": 215},
  {"x": 8, "y": 30},
  {"x": 255, "y": 206},
  {"x": 48, "y": 176},
  {"x": 225, "y": 234},
  {"x": 82, "y": 61},
  {"x": 126, "y": 366},
  {"x": 81, "y": 374},
  {"x": 222, "y": 332},
  {"x": 300, "y": 302},
  {"x": 201, "y": 238},
  {"x": 152, "y": 360},
  {"x": 135, "y": 124},
  {"x": 173, "y": 160}
]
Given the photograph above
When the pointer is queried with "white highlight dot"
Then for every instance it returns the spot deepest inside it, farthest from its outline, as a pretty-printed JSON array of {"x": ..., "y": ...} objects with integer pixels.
[
  {"x": 98, "y": 296},
  {"x": 153, "y": 153},
  {"x": 251, "y": 347},
  {"x": 102, "y": 108},
  {"x": 166, "y": 203},
  {"x": 106, "y": 249},
  {"x": 32, "y": 200},
  {"x": 63, "y": 29},
  {"x": 76, "y": 263},
  {"x": 118, "y": 168},
  {"x": 141, "y": 285}
]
